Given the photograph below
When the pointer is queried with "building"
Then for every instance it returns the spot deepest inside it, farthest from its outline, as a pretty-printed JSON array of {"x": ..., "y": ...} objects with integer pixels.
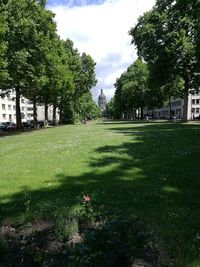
[
  {"x": 41, "y": 113},
  {"x": 8, "y": 109},
  {"x": 177, "y": 109},
  {"x": 102, "y": 101}
]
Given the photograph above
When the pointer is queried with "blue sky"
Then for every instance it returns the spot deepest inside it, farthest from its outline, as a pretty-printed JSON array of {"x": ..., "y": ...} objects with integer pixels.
[
  {"x": 100, "y": 28},
  {"x": 73, "y": 3}
]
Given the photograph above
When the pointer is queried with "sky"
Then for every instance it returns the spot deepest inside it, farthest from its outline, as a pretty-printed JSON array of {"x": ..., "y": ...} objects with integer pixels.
[{"x": 100, "y": 28}]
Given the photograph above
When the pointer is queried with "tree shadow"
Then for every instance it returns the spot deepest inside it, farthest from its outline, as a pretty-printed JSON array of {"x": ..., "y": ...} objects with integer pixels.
[{"x": 154, "y": 175}]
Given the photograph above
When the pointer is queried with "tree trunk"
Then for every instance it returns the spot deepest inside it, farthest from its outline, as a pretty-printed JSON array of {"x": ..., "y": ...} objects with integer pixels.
[
  {"x": 60, "y": 114},
  {"x": 134, "y": 112},
  {"x": 142, "y": 112},
  {"x": 170, "y": 110},
  {"x": 18, "y": 109},
  {"x": 185, "y": 105},
  {"x": 45, "y": 114},
  {"x": 35, "y": 113},
  {"x": 54, "y": 114}
]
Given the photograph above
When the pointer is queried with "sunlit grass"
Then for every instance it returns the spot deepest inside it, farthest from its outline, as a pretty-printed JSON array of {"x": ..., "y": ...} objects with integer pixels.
[{"x": 147, "y": 170}]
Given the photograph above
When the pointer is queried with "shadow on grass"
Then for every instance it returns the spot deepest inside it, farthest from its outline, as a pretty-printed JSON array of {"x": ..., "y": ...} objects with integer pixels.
[{"x": 154, "y": 176}]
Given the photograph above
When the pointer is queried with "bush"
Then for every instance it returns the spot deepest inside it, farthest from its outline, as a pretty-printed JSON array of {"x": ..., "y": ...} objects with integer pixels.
[
  {"x": 3, "y": 247},
  {"x": 66, "y": 228},
  {"x": 114, "y": 243}
]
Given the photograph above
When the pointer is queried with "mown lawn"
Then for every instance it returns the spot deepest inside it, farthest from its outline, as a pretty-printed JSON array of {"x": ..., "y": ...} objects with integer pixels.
[{"x": 147, "y": 170}]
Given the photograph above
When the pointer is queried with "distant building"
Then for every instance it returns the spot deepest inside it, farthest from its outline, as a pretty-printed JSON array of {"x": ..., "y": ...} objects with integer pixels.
[
  {"x": 8, "y": 109},
  {"x": 177, "y": 109},
  {"x": 102, "y": 101}
]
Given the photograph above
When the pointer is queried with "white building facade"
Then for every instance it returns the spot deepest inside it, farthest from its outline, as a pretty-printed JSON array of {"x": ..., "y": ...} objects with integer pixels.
[
  {"x": 8, "y": 109},
  {"x": 177, "y": 109}
]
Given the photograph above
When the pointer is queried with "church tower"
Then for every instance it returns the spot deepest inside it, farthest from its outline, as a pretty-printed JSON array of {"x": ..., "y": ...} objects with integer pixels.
[{"x": 102, "y": 101}]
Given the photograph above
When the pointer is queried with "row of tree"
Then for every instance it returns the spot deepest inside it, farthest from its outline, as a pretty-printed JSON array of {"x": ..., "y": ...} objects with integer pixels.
[
  {"x": 40, "y": 66},
  {"x": 167, "y": 40}
]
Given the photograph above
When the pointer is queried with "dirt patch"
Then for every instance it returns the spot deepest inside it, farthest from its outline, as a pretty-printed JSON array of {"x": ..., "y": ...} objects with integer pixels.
[
  {"x": 35, "y": 244},
  {"x": 31, "y": 244}
]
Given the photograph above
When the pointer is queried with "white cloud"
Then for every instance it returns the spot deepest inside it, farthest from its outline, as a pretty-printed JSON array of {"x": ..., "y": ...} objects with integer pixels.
[{"x": 102, "y": 32}]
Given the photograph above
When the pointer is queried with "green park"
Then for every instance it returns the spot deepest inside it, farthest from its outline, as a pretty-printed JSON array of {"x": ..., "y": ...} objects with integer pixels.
[
  {"x": 99, "y": 180},
  {"x": 145, "y": 170}
]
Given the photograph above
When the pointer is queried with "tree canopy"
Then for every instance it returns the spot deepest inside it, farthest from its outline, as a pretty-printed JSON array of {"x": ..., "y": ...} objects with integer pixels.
[
  {"x": 36, "y": 63},
  {"x": 166, "y": 39},
  {"x": 132, "y": 90}
]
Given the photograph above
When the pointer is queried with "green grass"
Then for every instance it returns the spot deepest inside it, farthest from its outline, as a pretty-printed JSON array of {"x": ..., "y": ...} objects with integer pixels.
[{"x": 148, "y": 170}]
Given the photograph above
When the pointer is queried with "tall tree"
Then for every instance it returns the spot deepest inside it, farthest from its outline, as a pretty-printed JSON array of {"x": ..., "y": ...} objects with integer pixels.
[
  {"x": 132, "y": 88},
  {"x": 164, "y": 37},
  {"x": 40, "y": 53},
  {"x": 86, "y": 108},
  {"x": 29, "y": 29},
  {"x": 3, "y": 48},
  {"x": 82, "y": 68}
]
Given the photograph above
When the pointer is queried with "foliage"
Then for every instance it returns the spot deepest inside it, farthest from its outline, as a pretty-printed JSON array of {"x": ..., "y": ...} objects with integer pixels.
[
  {"x": 37, "y": 64},
  {"x": 111, "y": 111},
  {"x": 165, "y": 39},
  {"x": 82, "y": 69},
  {"x": 3, "y": 48},
  {"x": 66, "y": 228},
  {"x": 85, "y": 107},
  {"x": 132, "y": 90},
  {"x": 114, "y": 242},
  {"x": 3, "y": 247}
]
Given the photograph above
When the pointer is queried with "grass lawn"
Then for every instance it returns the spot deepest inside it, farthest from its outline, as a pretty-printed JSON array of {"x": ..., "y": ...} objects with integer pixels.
[{"x": 147, "y": 170}]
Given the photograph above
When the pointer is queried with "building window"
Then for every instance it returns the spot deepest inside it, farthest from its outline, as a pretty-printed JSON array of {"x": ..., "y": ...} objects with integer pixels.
[
  {"x": 14, "y": 107},
  {"x": 3, "y": 106},
  {"x": 197, "y": 110},
  {"x": 197, "y": 101},
  {"x": 193, "y": 110},
  {"x": 22, "y": 100},
  {"x": 193, "y": 101},
  {"x": 22, "y": 108},
  {"x": 4, "y": 116},
  {"x": 9, "y": 107},
  {"x": 10, "y": 117}
]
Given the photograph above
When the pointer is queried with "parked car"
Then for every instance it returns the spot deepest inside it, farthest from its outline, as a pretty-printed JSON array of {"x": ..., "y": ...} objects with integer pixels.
[
  {"x": 27, "y": 124},
  {"x": 197, "y": 118},
  {"x": 11, "y": 127},
  {"x": 3, "y": 126},
  {"x": 41, "y": 124}
]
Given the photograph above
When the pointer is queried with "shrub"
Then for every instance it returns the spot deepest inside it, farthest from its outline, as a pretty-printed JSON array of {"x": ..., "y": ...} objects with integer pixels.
[
  {"x": 66, "y": 228},
  {"x": 114, "y": 243},
  {"x": 3, "y": 247}
]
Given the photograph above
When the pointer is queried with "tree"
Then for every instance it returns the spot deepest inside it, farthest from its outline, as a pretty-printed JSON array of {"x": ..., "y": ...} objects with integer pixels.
[
  {"x": 132, "y": 88},
  {"x": 3, "y": 48},
  {"x": 82, "y": 69},
  {"x": 44, "y": 39},
  {"x": 86, "y": 108},
  {"x": 112, "y": 111},
  {"x": 165, "y": 39},
  {"x": 30, "y": 28}
]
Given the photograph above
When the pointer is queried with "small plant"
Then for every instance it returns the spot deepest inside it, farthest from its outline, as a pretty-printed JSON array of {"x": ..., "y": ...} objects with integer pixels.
[
  {"x": 88, "y": 213},
  {"x": 3, "y": 247},
  {"x": 27, "y": 205},
  {"x": 114, "y": 242},
  {"x": 66, "y": 228}
]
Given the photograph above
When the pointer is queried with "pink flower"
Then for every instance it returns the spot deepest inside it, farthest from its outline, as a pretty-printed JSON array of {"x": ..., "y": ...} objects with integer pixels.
[{"x": 86, "y": 198}]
